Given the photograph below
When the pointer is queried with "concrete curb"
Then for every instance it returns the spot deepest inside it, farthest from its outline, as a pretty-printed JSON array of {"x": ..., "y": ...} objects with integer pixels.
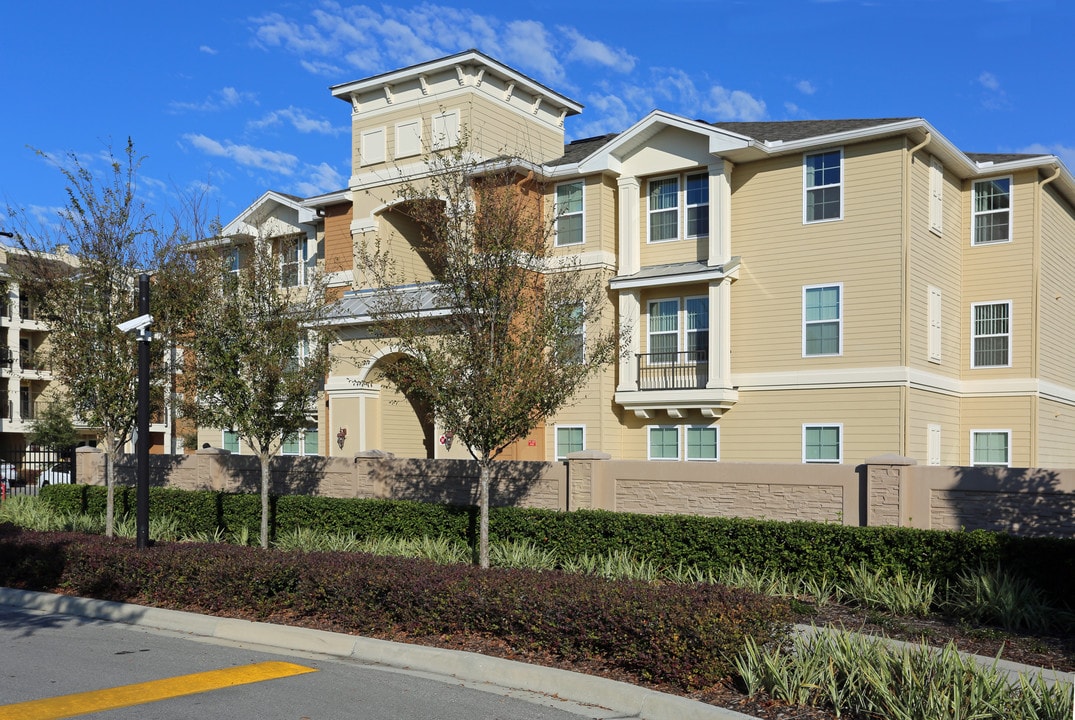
[{"x": 628, "y": 701}]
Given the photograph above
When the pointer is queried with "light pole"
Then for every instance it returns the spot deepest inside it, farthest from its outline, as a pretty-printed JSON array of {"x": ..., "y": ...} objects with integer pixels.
[{"x": 141, "y": 325}]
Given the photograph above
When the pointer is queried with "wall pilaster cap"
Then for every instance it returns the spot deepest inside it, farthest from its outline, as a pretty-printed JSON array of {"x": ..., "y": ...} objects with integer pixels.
[
  {"x": 212, "y": 451},
  {"x": 373, "y": 455},
  {"x": 589, "y": 455},
  {"x": 88, "y": 449},
  {"x": 891, "y": 459}
]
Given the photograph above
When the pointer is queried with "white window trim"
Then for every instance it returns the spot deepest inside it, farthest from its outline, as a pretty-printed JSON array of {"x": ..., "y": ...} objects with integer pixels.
[
  {"x": 372, "y": 150},
  {"x": 806, "y": 189},
  {"x": 402, "y": 128},
  {"x": 1011, "y": 340},
  {"x": 238, "y": 445},
  {"x": 686, "y": 444},
  {"x": 301, "y": 260},
  {"x": 686, "y": 206},
  {"x": 839, "y": 320},
  {"x": 302, "y": 445},
  {"x": 974, "y": 214},
  {"x": 840, "y": 446},
  {"x": 1004, "y": 431},
  {"x": 556, "y": 438},
  {"x": 649, "y": 443},
  {"x": 449, "y": 138},
  {"x": 581, "y": 212},
  {"x": 679, "y": 210},
  {"x": 685, "y": 331}
]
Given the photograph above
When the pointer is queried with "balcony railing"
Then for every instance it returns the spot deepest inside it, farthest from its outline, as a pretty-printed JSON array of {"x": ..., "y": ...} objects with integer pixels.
[{"x": 686, "y": 370}]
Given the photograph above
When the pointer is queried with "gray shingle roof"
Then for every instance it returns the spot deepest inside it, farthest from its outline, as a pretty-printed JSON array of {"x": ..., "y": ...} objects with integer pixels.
[
  {"x": 1002, "y": 157},
  {"x": 801, "y": 129},
  {"x": 580, "y": 149}
]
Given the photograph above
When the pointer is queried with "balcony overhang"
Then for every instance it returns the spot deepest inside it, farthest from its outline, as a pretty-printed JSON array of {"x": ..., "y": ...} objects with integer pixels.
[
  {"x": 646, "y": 404},
  {"x": 677, "y": 274}
]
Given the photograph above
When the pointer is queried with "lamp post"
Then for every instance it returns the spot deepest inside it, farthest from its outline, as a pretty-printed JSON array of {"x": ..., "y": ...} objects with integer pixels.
[{"x": 141, "y": 325}]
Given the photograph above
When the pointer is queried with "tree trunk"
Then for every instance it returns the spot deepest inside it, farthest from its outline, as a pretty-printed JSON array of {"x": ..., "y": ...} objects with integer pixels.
[
  {"x": 483, "y": 505},
  {"x": 265, "y": 477},
  {"x": 110, "y": 488}
]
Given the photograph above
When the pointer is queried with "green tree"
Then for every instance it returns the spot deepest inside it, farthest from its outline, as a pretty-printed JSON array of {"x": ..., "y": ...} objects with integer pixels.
[
  {"x": 525, "y": 330},
  {"x": 53, "y": 428},
  {"x": 82, "y": 274},
  {"x": 252, "y": 361}
]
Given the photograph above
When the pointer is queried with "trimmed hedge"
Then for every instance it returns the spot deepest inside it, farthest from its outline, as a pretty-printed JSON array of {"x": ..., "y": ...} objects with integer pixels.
[
  {"x": 807, "y": 548},
  {"x": 686, "y": 635}
]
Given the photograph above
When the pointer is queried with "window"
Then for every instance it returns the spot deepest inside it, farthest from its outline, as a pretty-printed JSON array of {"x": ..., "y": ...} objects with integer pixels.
[
  {"x": 990, "y": 447},
  {"x": 663, "y": 330},
  {"x": 569, "y": 439},
  {"x": 664, "y": 209},
  {"x": 703, "y": 442},
  {"x": 935, "y": 311},
  {"x": 408, "y": 138},
  {"x": 936, "y": 195},
  {"x": 991, "y": 334},
  {"x": 233, "y": 261},
  {"x": 822, "y": 320},
  {"x": 230, "y": 441},
  {"x": 445, "y": 128},
  {"x": 303, "y": 442},
  {"x": 698, "y": 205},
  {"x": 665, "y": 200},
  {"x": 569, "y": 213},
  {"x": 991, "y": 221},
  {"x": 293, "y": 262},
  {"x": 373, "y": 151},
  {"x": 664, "y": 443},
  {"x": 821, "y": 443},
  {"x": 575, "y": 350},
  {"x": 822, "y": 186},
  {"x": 697, "y": 328}
]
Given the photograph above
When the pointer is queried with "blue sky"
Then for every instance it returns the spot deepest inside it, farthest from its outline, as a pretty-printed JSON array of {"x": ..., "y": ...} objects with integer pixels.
[{"x": 233, "y": 95}]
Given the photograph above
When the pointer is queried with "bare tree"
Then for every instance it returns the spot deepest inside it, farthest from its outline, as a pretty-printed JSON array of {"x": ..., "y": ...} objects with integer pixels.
[
  {"x": 253, "y": 359},
  {"x": 82, "y": 275},
  {"x": 524, "y": 330}
]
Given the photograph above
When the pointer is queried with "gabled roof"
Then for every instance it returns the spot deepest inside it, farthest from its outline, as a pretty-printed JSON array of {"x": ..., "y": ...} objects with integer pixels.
[{"x": 792, "y": 130}]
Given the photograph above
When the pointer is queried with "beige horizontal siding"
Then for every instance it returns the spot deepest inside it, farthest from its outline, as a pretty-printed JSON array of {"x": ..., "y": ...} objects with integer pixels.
[
  {"x": 1057, "y": 295},
  {"x": 1000, "y": 413}
]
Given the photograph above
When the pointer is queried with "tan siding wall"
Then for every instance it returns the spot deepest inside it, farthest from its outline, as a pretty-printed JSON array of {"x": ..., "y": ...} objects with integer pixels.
[
  {"x": 497, "y": 131},
  {"x": 1056, "y": 434},
  {"x": 1056, "y": 343},
  {"x": 1000, "y": 413},
  {"x": 935, "y": 260},
  {"x": 781, "y": 255},
  {"x": 400, "y": 431},
  {"x": 933, "y": 408},
  {"x": 1003, "y": 271}
]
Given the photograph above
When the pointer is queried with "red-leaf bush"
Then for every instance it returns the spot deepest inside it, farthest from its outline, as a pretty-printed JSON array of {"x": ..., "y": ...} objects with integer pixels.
[{"x": 668, "y": 633}]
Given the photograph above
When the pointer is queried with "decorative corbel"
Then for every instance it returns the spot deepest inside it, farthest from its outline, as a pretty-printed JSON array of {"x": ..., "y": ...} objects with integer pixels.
[
  {"x": 509, "y": 92},
  {"x": 425, "y": 85},
  {"x": 388, "y": 94}
]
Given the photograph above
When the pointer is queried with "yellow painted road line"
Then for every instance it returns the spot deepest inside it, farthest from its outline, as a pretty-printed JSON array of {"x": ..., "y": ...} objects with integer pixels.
[{"x": 83, "y": 703}]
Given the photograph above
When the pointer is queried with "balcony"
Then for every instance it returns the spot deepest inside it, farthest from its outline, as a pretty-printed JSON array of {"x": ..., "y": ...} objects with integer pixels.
[{"x": 675, "y": 382}]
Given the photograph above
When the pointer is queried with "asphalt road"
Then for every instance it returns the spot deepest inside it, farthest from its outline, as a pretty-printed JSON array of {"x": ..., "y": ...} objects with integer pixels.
[{"x": 44, "y": 656}]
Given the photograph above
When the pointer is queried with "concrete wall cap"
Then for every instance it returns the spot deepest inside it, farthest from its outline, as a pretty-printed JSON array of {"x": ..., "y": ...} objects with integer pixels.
[
  {"x": 212, "y": 451},
  {"x": 589, "y": 455},
  {"x": 88, "y": 449},
  {"x": 373, "y": 455},
  {"x": 890, "y": 459}
]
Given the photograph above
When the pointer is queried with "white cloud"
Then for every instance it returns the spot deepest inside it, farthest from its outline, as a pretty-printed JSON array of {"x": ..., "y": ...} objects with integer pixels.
[
  {"x": 319, "y": 179},
  {"x": 989, "y": 81},
  {"x": 246, "y": 155},
  {"x": 805, "y": 87},
  {"x": 1065, "y": 153},
  {"x": 529, "y": 44},
  {"x": 299, "y": 120},
  {"x": 595, "y": 52},
  {"x": 207, "y": 50},
  {"x": 734, "y": 105},
  {"x": 224, "y": 98}
]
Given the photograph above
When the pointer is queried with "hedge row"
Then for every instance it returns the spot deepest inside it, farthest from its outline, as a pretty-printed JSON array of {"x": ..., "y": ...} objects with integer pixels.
[
  {"x": 679, "y": 634},
  {"x": 812, "y": 549}
]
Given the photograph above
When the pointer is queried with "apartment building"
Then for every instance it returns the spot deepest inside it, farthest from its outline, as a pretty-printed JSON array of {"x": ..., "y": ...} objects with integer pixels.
[{"x": 804, "y": 291}]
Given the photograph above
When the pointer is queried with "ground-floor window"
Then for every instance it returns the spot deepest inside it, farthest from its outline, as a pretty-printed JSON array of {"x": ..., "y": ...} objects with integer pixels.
[
  {"x": 822, "y": 443},
  {"x": 230, "y": 441},
  {"x": 664, "y": 442},
  {"x": 303, "y": 442},
  {"x": 990, "y": 447},
  {"x": 702, "y": 442},
  {"x": 569, "y": 439}
]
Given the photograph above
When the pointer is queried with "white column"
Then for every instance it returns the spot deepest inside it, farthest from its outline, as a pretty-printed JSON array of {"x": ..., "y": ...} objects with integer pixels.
[
  {"x": 629, "y": 232},
  {"x": 720, "y": 334},
  {"x": 630, "y": 316},
  {"x": 720, "y": 212}
]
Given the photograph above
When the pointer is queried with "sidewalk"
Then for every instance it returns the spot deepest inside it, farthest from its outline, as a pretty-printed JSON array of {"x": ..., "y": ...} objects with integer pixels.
[{"x": 622, "y": 700}]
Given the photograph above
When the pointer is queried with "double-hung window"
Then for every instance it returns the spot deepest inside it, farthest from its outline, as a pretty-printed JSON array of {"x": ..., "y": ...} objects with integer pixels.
[
  {"x": 303, "y": 442},
  {"x": 991, "y": 329},
  {"x": 664, "y": 209},
  {"x": 990, "y": 447},
  {"x": 671, "y": 197},
  {"x": 293, "y": 262},
  {"x": 230, "y": 441},
  {"x": 573, "y": 350},
  {"x": 663, "y": 327},
  {"x": 823, "y": 443},
  {"x": 822, "y": 320},
  {"x": 696, "y": 340},
  {"x": 823, "y": 187},
  {"x": 569, "y": 439},
  {"x": 569, "y": 215},
  {"x": 992, "y": 211}
]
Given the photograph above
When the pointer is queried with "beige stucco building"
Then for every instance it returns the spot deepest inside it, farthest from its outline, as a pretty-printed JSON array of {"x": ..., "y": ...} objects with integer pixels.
[{"x": 804, "y": 291}]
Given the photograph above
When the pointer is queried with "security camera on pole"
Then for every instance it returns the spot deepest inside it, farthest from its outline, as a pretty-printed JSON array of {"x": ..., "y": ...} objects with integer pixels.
[{"x": 141, "y": 325}]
